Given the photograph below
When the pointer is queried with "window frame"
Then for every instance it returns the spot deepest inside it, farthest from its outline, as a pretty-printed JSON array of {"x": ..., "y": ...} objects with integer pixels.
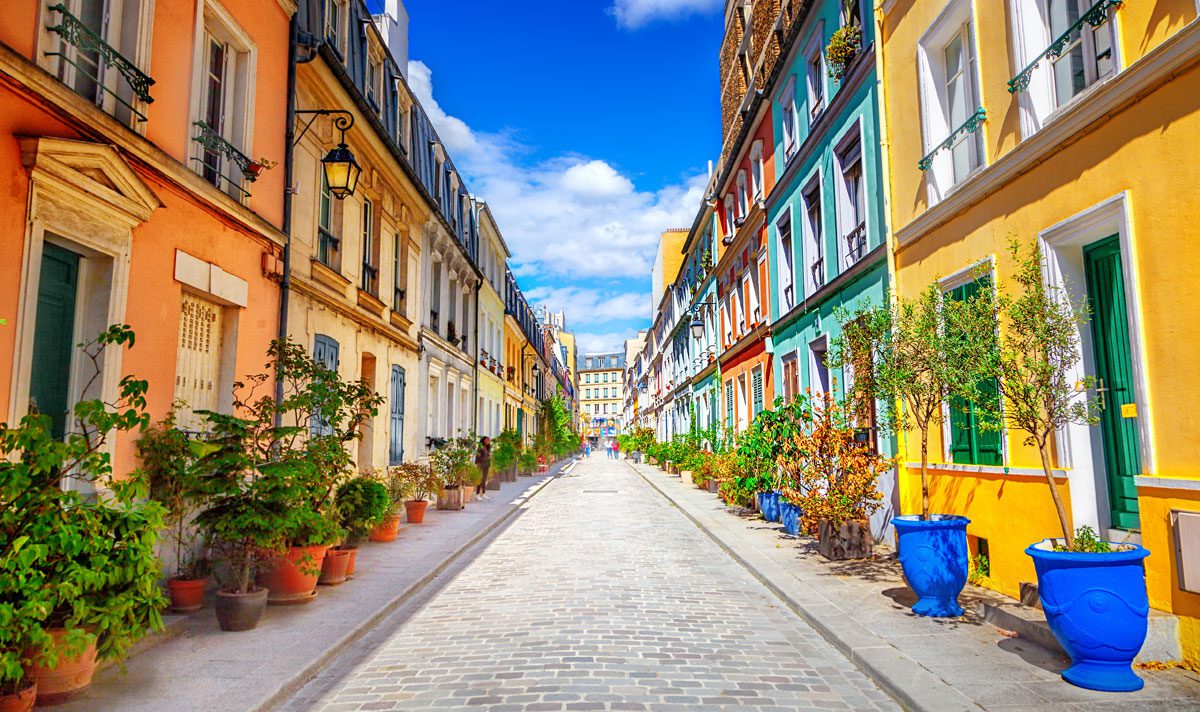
[
  {"x": 813, "y": 199},
  {"x": 786, "y": 268}
]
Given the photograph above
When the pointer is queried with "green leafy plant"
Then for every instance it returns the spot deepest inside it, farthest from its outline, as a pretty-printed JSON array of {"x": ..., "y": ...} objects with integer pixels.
[
  {"x": 68, "y": 560},
  {"x": 845, "y": 43},
  {"x": 527, "y": 460},
  {"x": 981, "y": 569},
  {"x": 419, "y": 479},
  {"x": 453, "y": 458},
  {"x": 396, "y": 485},
  {"x": 471, "y": 475},
  {"x": 1086, "y": 541},
  {"x": 507, "y": 449},
  {"x": 362, "y": 504},
  {"x": 1036, "y": 364},
  {"x": 168, "y": 466}
]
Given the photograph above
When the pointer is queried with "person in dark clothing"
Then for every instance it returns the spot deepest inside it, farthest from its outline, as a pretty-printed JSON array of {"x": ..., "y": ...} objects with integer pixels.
[{"x": 483, "y": 459}]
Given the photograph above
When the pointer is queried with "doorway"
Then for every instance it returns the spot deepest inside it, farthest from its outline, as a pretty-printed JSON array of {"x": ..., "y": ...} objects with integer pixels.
[{"x": 54, "y": 337}]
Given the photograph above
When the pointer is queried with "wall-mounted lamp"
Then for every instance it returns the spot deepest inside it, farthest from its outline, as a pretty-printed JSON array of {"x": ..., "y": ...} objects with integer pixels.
[{"x": 341, "y": 169}]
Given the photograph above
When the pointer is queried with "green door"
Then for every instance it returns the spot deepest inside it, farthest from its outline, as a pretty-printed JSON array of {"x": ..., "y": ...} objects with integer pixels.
[
  {"x": 53, "y": 336},
  {"x": 971, "y": 441},
  {"x": 1114, "y": 374}
]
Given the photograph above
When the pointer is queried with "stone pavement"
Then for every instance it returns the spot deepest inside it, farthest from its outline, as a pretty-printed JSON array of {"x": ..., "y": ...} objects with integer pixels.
[
  {"x": 863, "y": 608},
  {"x": 601, "y": 595},
  {"x": 206, "y": 669}
]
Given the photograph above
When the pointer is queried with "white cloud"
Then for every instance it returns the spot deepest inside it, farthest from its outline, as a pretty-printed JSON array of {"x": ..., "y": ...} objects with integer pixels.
[
  {"x": 568, "y": 216},
  {"x": 633, "y": 14},
  {"x": 602, "y": 342},
  {"x": 592, "y": 306}
]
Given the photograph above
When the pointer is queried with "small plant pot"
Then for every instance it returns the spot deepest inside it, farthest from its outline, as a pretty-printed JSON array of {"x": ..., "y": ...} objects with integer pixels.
[
  {"x": 791, "y": 517},
  {"x": 850, "y": 540},
  {"x": 240, "y": 611},
  {"x": 69, "y": 677},
  {"x": 450, "y": 498},
  {"x": 414, "y": 511},
  {"x": 291, "y": 579},
  {"x": 714, "y": 486},
  {"x": 933, "y": 554},
  {"x": 1097, "y": 608},
  {"x": 468, "y": 492},
  {"x": 20, "y": 700},
  {"x": 334, "y": 567},
  {"x": 388, "y": 530},
  {"x": 187, "y": 595}
]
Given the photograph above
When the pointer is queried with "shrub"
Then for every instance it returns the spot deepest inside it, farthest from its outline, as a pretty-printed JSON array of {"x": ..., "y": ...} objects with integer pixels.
[{"x": 362, "y": 504}]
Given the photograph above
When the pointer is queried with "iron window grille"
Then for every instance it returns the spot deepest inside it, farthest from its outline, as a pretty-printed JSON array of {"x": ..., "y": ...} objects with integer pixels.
[{"x": 217, "y": 154}]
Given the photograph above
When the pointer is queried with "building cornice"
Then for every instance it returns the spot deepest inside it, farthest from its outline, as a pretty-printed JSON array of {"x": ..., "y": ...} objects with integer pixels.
[
  {"x": 832, "y": 287},
  {"x": 1175, "y": 55},
  {"x": 353, "y": 312}
]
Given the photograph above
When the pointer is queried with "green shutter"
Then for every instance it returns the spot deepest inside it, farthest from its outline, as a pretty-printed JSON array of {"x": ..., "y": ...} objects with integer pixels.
[
  {"x": 756, "y": 388},
  {"x": 970, "y": 443}
]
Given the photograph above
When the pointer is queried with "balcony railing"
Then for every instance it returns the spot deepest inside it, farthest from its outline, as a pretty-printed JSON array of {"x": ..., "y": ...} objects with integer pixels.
[
  {"x": 218, "y": 152},
  {"x": 91, "y": 49},
  {"x": 370, "y": 278},
  {"x": 1095, "y": 16},
  {"x": 856, "y": 243},
  {"x": 971, "y": 125},
  {"x": 818, "y": 272}
]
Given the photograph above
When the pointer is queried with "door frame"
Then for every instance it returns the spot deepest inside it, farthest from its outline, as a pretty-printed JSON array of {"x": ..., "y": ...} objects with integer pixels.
[{"x": 1081, "y": 451}]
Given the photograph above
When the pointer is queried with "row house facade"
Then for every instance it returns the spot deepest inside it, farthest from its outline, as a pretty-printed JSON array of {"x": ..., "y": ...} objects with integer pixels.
[
  {"x": 136, "y": 145},
  {"x": 493, "y": 351},
  {"x": 1072, "y": 131},
  {"x": 526, "y": 376}
]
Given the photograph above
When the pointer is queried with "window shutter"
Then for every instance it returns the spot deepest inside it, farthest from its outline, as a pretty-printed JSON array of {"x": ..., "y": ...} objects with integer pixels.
[
  {"x": 970, "y": 443},
  {"x": 325, "y": 352},
  {"x": 396, "y": 424},
  {"x": 756, "y": 381},
  {"x": 729, "y": 404}
]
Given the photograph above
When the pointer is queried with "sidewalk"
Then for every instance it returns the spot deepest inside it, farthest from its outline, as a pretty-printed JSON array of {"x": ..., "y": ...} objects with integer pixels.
[
  {"x": 863, "y": 609},
  {"x": 204, "y": 668}
]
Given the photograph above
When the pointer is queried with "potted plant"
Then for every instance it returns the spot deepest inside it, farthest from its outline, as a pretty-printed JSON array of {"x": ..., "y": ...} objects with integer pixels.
[
  {"x": 505, "y": 454},
  {"x": 59, "y": 615},
  {"x": 845, "y": 43},
  {"x": 255, "y": 168},
  {"x": 470, "y": 476},
  {"x": 421, "y": 483},
  {"x": 242, "y": 523},
  {"x": 398, "y": 491},
  {"x": 168, "y": 467},
  {"x": 1092, "y": 590},
  {"x": 361, "y": 504},
  {"x": 527, "y": 461},
  {"x": 450, "y": 461},
  {"x": 836, "y": 478},
  {"x": 913, "y": 355}
]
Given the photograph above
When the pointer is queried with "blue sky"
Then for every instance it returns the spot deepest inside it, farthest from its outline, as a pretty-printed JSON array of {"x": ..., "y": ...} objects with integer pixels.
[{"x": 586, "y": 125}]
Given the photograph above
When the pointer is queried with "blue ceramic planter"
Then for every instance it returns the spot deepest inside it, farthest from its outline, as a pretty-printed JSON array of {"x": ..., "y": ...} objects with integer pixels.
[
  {"x": 776, "y": 507},
  {"x": 760, "y": 498},
  {"x": 790, "y": 514},
  {"x": 769, "y": 506},
  {"x": 1097, "y": 607},
  {"x": 933, "y": 554}
]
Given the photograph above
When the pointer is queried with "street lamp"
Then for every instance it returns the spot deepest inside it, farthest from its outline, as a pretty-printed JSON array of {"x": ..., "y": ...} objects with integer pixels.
[
  {"x": 341, "y": 169},
  {"x": 697, "y": 328}
]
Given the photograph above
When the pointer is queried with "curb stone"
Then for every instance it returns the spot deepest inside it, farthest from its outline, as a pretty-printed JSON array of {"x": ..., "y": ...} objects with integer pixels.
[
  {"x": 913, "y": 686},
  {"x": 291, "y": 685}
]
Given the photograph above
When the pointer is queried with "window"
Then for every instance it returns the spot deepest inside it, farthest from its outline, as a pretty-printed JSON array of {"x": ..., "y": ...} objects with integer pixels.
[
  {"x": 374, "y": 82},
  {"x": 1088, "y": 55},
  {"x": 814, "y": 75},
  {"x": 325, "y": 352},
  {"x": 335, "y": 11},
  {"x": 328, "y": 241},
  {"x": 817, "y": 352},
  {"x": 435, "y": 297},
  {"x": 851, "y": 208},
  {"x": 222, "y": 84},
  {"x": 742, "y": 195},
  {"x": 791, "y": 377},
  {"x": 783, "y": 232},
  {"x": 399, "y": 274},
  {"x": 729, "y": 226},
  {"x": 751, "y": 297},
  {"x": 743, "y": 403},
  {"x": 756, "y": 171},
  {"x": 729, "y": 404},
  {"x": 970, "y": 442},
  {"x": 950, "y": 106},
  {"x": 814, "y": 237},
  {"x": 787, "y": 119},
  {"x": 370, "y": 258},
  {"x": 961, "y": 101}
]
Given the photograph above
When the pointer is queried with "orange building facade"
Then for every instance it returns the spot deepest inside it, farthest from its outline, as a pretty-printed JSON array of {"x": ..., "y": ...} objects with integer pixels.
[{"x": 137, "y": 153}]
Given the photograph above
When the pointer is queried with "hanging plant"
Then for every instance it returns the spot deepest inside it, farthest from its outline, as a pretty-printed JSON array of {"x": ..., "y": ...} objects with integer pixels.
[{"x": 843, "y": 47}]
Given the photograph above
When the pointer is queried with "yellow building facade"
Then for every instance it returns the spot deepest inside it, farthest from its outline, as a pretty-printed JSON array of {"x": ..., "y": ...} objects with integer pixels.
[
  {"x": 1072, "y": 125},
  {"x": 490, "y": 373}
]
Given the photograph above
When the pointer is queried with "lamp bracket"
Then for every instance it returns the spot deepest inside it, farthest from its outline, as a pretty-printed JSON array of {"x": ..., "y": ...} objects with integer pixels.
[{"x": 342, "y": 121}]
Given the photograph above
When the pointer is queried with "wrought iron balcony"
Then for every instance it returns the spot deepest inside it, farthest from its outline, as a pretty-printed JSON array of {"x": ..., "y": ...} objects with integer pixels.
[
  {"x": 971, "y": 125},
  {"x": 93, "y": 56},
  {"x": 818, "y": 272},
  {"x": 218, "y": 152},
  {"x": 856, "y": 243},
  {"x": 1095, "y": 16}
]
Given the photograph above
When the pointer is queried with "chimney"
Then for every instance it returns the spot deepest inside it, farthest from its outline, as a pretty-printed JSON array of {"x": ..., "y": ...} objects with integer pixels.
[{"x": 393, "y": 25}]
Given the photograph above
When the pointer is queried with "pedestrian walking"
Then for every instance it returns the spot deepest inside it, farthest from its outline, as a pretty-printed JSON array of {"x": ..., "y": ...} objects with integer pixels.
[
  {"x": 616, "y": 449},
  {"x": 483, "y": 459}
]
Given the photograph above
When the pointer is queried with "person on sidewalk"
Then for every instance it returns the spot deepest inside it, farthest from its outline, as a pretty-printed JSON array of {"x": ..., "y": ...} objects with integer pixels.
[
  {"x": 616, "y": 449},
  {"x": 483, "y": 459}
]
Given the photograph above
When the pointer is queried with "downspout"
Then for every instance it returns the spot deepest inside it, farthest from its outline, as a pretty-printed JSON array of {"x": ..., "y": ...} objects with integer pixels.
[
  {"x": 285, "y": 282},
  {"x": 475, "y": 419}
]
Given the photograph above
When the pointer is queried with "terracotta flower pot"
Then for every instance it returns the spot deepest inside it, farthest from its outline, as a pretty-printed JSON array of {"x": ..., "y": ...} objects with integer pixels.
[
  {"x": 240, "y": 611},
  {"x": 69, "y": 677},
  {"x": 21, "y": 700},
  {"x": 292, "y": 578},
  {"x": 187, "y": 595},
  {"x": 414, "y": 511},
  {"x": 388, "y": 530},
  {"x": 353, "y": 549},
  {"x": 334, "y": 567}
]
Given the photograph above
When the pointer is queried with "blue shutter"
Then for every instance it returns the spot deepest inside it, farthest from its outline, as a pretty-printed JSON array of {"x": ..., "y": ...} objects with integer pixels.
[
  {"x": 325, "y": 352},
  {"x": 396, "y": 424}
]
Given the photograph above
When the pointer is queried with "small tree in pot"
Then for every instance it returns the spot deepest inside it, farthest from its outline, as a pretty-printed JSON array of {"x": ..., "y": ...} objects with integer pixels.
[
  {"x": 505, "y": 454},
  {"x": 362, "y": 503},
  {"x": 420, "y": 483},
  {"x": 398, "y": 491},
  {"x": 1092, "y": 590}
]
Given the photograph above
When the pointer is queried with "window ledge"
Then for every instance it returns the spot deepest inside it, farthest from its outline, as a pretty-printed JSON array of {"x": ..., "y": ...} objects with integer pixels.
[
  {"x": 371, "y": 303},
  {"x": 987, "y": 469},
  {"x": 399, "y": 321},
  {"x": 327, "y": 276}
]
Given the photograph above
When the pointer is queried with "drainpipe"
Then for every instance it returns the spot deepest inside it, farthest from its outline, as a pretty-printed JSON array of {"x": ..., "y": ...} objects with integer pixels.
[
  {"x": 475, "y": 417},
  {"x": 285, "y": 282}
]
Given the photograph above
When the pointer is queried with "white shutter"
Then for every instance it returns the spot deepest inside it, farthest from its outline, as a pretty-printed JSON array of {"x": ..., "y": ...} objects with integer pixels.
[{"x": 198, "y": 359}]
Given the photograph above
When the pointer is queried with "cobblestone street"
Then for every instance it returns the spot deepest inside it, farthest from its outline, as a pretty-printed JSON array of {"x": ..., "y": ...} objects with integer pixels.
[{"x": 601, "y": 595}]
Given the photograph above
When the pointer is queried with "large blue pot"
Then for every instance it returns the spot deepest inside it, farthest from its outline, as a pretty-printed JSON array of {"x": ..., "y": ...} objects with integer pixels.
[
  {"x": 790, "y": 514},
  {"x": 1097, "y": 607},
  {"x": 776, "y": 507},
  {"x": 769, "y": 506},
  {"x": 934, "y": 556},
  {"x": 761, "y": 499}
]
